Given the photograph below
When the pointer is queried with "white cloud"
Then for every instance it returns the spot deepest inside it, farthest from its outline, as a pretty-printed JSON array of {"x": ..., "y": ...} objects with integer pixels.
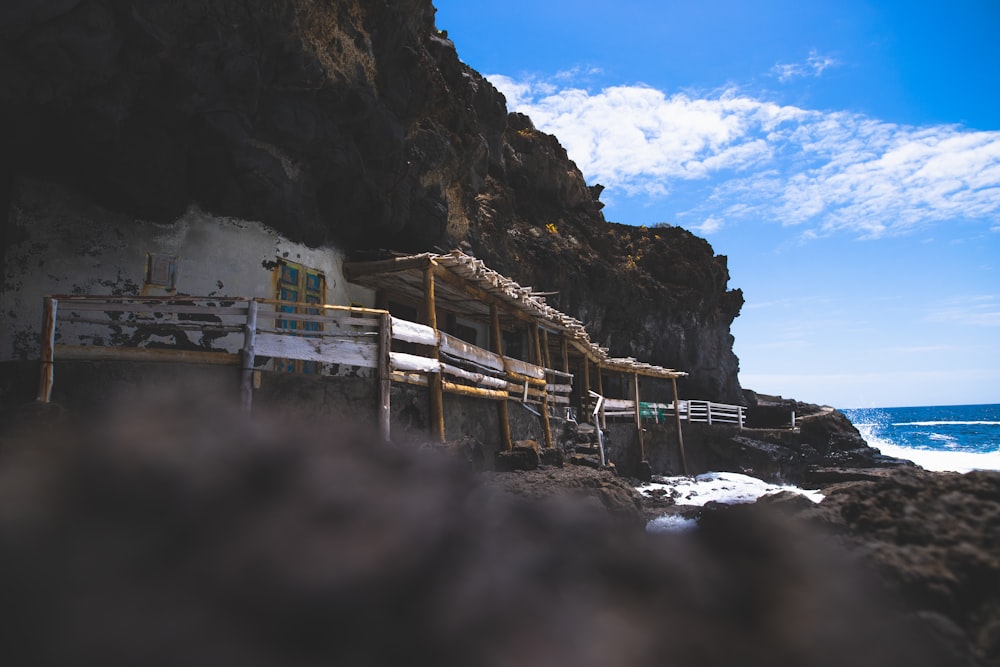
[
  {"x": 975, "y": 311},
  {"x": 710, "y": 225},
  {"x": 814, "y": 66},
  {"x": 828, "y": 172}
]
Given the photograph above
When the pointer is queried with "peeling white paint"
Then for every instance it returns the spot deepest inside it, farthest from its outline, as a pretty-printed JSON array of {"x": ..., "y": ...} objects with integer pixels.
[{"x": 64, "y": 244}]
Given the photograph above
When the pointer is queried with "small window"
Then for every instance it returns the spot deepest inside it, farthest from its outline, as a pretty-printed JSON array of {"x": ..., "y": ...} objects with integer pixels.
[
  {"x": 161, "y": 270},
  {"x": 299, "y": 284}
]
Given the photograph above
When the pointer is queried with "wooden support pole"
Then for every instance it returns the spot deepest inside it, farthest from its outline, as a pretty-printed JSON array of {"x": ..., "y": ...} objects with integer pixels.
[
  {"x": 600, "y": 390},
  {"x": 680, "y": 436},
  {"x": 638, "y": 416},
  {"x": 503, "y": 416},
  {"x": 585, "y": 394},
  {"x": 547, "y": 361},
  {"x": 249, "y": 355},
  {"x": 48, "y": 345},
  {"x": 435, "y": 387},
  {"x": 539, "y": 360},
  {"x": 384, "y": 375},
  {"x": 564, "y": 352}
]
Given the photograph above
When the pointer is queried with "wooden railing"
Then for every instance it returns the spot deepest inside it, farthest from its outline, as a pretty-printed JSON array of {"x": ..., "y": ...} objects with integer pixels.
[
  {"x": 704, "y": 412},
  {"x": 239, "y": 331}
]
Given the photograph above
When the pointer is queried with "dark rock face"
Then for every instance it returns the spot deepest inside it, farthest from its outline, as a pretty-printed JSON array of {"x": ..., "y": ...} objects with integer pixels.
[
  {"x": 295, "y": 113},
  {"x": 349, "y": 122}
]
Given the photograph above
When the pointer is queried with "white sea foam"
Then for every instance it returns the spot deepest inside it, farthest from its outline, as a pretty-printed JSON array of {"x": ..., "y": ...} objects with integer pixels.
[
  {"x": 943, "y": 461},
  {"x": 942, "y": 423},
  {"x": 722, "y": 487},
  {"x": 932, "y": 459},
  {"x": 671, "y": 523}
]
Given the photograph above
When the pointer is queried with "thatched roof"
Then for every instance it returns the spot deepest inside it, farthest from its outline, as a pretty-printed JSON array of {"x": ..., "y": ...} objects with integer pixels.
[{"x": 466, "y": 286}]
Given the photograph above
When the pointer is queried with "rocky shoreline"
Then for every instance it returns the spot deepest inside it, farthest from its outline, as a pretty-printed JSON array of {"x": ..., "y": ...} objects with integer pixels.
[
  {"x": 931, "y": 538},
  {"x": 159, "y": 515}
]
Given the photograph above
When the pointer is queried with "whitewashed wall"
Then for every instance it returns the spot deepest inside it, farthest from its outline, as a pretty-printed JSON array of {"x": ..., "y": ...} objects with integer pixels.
[{"x": 59, "y": 243}]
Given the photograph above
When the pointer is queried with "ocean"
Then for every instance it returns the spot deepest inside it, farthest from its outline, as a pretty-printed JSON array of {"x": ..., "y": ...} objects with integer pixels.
[{"x": 958, "y": 438}]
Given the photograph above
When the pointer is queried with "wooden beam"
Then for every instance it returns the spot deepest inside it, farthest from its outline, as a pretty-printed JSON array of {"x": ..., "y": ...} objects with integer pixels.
[
  {"x": 478, "y": 392},
  {"x": 355, "y": 270},
  {"x": 102, "y": 353},
  {"x": 600, "y": 390},
  {"x": 479, "y": 294},
  {"x": 496, "y": 343},
  {"x": 539, "y": 360},
  {"x": 435, "y": 381},
  {"x": 517, "y": 369},
  {"x": 638, "y": 415},
  {"x": 680, "y": 436},
  {"x": 459, "y": 349},
  {"x": 326, "y": 349},
  {"x": 248, "y": 355},
  {"x": 47, "y": 359},
  {"x": 384, "y": 376},
  {"x": 547, "y": 360}
]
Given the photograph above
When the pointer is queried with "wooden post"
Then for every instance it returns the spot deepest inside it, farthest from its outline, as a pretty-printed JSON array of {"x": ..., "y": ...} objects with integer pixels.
[
  {"x": 564, "y": 349},
  {"x": 600, "y": 390},
  {"x": 680, "y": 436},
  {"x": 503, "y": 416},
  {"x": 545, "y": 349},
  {"x": 249, "y": 355},
  {"x": 585, "y": 395},
  {"x": 434, "y": 384},
  {"x": 384, "y": 375},
  {"x": 48, "y": 345},
  {"x": 540, "y": 361},
  {"x": 564, "y": 352},
  {"x": 638, "y": 416}
]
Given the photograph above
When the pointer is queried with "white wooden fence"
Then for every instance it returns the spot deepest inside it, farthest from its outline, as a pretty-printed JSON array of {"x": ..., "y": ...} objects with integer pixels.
[{"x": 704, "y": 412}]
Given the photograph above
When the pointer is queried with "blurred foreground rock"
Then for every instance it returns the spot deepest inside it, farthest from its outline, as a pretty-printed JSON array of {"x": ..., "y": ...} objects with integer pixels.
[
  {"x": 184, "y": 535},
  {"x": 935, "y": 537}
]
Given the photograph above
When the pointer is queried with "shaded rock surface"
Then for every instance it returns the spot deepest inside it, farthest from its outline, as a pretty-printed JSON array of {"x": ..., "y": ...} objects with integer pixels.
[
  {"x": 936, "y": 537},
  {"x": 601, "y": 490},
  {"x": 349, "y": 122}
]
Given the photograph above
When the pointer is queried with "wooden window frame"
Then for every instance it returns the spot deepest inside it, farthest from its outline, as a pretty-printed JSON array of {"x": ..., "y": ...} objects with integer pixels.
[{"x": 300, "y": 284}]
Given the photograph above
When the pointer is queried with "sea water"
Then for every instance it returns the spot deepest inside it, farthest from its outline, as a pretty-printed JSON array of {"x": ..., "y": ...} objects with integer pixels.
[{"x": 955, "y": 438}]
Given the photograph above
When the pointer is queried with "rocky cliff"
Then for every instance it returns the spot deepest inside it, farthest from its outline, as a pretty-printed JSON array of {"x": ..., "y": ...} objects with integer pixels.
[{"x": 343, "y": 122}]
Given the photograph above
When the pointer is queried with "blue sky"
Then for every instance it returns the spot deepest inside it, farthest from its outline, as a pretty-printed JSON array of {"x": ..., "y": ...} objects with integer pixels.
[{"x": 844, "y": 155}]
